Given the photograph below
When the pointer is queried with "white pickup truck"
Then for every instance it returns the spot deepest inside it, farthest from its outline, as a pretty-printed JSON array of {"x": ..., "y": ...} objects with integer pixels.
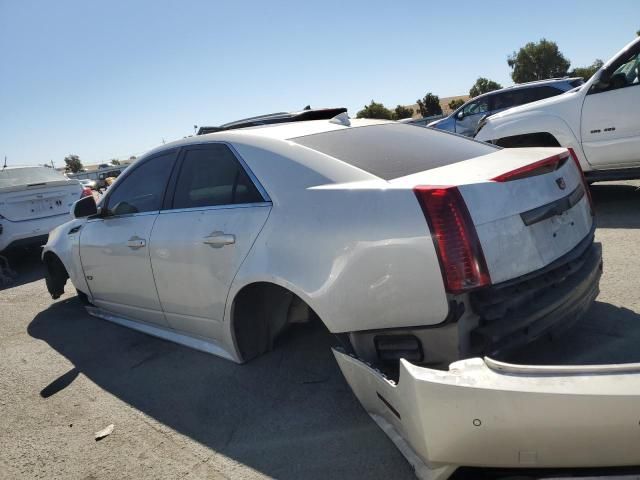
[{"x": 599, "y": 121}]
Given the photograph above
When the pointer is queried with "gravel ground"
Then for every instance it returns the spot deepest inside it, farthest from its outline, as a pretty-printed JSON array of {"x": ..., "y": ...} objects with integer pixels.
[{"x": 183, "y": 414}]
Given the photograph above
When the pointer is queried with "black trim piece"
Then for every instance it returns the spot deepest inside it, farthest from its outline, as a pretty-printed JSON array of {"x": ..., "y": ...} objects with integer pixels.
[
  {"x": 553, "y": 209},
  {"x": 389, "y": 406},
  {"x": 284, "y": 117},
  {"x": 611, "y": 175}
]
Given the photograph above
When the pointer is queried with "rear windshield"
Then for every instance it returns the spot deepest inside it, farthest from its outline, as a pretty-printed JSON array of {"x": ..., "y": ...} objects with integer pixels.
[
  {"x": 394, "y": 150},
  {"x": 13, "y": 177}
]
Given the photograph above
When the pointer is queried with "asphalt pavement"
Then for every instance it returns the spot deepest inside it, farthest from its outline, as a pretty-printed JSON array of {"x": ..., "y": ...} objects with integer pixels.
[{"x": 178, "y": 413}]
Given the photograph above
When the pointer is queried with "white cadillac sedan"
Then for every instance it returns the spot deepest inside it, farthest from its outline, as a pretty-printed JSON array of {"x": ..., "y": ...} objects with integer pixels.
[{"x": 415, "y": 247}]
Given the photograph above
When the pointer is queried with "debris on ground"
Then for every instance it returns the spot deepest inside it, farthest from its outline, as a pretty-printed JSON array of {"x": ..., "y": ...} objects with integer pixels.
[{"x": 105, "y": 432}]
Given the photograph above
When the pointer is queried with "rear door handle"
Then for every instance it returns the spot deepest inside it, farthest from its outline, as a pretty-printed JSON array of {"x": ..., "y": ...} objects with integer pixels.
[
  {"x": 136, "y": 242},
  {"x": 219, "y": 239}
]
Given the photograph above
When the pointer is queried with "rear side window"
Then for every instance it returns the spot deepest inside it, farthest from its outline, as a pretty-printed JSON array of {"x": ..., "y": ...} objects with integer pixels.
[
  {"x": 545, "y": 92},
  {"x": 143, "y": 189},
  {"x": 11, "y": 177},
  {"x": 211, "y": 175},
  {"x": 395, "y": 150}
]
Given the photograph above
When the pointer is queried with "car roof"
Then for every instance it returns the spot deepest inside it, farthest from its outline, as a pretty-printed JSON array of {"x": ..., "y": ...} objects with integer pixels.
[{"x": 278, "y": 131}]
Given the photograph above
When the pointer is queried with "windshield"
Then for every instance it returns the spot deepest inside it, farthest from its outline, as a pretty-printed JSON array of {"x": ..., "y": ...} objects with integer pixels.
[{"x": 13, "y": 177}]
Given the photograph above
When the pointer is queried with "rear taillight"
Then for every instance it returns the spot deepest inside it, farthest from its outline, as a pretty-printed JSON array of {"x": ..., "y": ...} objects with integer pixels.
[
  {"x": 584, "y": 180},
  {"x": 86, "y": 192},
  {"x": 455, "y": 237},
  {"x": 546, "y": 165}
]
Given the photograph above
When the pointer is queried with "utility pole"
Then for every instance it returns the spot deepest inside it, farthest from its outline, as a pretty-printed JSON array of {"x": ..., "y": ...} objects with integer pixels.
[{"x": 5, "y": 162}]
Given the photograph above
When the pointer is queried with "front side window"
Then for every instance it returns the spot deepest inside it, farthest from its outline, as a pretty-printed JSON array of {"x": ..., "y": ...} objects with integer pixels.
[
  {"x": 143, "y": 189},
  {"x": 626, "y": 75},
  {"x": 479, "y": 106},
  {"x": 211, "y": 175}
]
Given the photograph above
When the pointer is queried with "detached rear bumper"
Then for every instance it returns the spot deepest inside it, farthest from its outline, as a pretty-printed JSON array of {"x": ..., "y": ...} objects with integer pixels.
[{"x": 492, "y": 414}]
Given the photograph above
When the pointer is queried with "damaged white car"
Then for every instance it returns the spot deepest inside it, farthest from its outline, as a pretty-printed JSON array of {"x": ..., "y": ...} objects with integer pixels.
[{"x": 415, "y": 247}]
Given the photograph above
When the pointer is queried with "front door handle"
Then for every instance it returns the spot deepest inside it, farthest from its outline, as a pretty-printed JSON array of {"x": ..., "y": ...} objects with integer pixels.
[
  {"x": 136, "y": 242},
  {"x": 219, "y": 239}
]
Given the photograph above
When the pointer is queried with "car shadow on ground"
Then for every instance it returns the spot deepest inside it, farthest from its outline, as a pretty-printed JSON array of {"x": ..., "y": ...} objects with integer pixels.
[
  {"x": 606, "y": 334},
  {"x": 287, "y": 414},
  {"x": 27, "y": 264},
  {"x": 617, "y": 205}
]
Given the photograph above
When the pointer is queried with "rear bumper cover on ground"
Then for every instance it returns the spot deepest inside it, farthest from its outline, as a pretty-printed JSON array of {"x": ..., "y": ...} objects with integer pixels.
[{"x": 492, "y": 414}]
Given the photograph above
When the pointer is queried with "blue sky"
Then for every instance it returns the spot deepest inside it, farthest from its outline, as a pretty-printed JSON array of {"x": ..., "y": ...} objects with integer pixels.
[{"x": 113, "y": 78}]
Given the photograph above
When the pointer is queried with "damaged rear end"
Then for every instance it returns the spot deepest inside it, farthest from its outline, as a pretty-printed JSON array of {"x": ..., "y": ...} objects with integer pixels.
[{"x": 514, "y": 236}]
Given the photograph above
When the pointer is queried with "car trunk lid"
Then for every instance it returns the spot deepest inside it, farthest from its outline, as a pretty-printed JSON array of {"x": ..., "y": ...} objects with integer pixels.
[
  {"x": 38, "y": 200},
  {"x": 528, "y": 207}
]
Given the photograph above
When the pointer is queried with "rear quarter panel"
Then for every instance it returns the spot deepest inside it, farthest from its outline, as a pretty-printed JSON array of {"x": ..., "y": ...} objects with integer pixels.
[{"x": 357, "y": 252}]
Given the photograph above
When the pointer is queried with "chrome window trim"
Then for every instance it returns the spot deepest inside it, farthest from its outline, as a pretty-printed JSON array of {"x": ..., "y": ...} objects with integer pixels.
[
  {"x": 126, "y": 215},
  {"x": 226, "y": 206}
]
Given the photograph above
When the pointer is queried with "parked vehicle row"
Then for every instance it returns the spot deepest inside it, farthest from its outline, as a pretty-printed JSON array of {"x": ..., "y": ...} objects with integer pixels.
[
  {"x": 598, "y": 121},
  {"x": 465, "y": 119}
]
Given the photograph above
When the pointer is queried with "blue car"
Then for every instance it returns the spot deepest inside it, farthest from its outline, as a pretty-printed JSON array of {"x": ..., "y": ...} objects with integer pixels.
[{"x": 465, "y": 119}]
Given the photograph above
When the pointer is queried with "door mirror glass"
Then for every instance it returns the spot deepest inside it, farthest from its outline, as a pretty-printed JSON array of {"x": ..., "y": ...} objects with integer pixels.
[{"x": 85, "y": 207}]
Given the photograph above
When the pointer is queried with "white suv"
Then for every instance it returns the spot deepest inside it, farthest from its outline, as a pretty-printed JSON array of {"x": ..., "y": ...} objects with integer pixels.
[{"x": 599, "y": 121}]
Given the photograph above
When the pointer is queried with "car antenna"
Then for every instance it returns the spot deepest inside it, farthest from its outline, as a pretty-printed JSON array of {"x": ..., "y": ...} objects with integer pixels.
[{"x": 5, "y": 162}]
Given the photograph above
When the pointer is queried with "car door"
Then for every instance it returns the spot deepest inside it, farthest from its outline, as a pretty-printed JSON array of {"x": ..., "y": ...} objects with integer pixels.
[
  {"x": 467, "y": 119},
  {"x": 114, "y": 246},
  {"x": 610, "y": 119},
  {"x": 216, "y": 212}
]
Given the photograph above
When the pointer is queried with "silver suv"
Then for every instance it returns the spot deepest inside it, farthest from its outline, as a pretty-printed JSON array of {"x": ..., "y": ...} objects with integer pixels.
[{"x": 465, "y": 119}]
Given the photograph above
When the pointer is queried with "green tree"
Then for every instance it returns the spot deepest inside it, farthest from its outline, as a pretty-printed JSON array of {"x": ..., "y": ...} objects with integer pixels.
[
  {"x": 401, "y": 112},
  {"x": 587, "y": 72},
  {"x": 429, "y": 105},
  {"x": 483, "y": 85},
  {"x": 375, "y": 110},
  {"x": 538, "y": 61},
  {"x": 115, "y": 161},
  {"x": 456, "y": 103},
  {"x": 73, "y": 163}
]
